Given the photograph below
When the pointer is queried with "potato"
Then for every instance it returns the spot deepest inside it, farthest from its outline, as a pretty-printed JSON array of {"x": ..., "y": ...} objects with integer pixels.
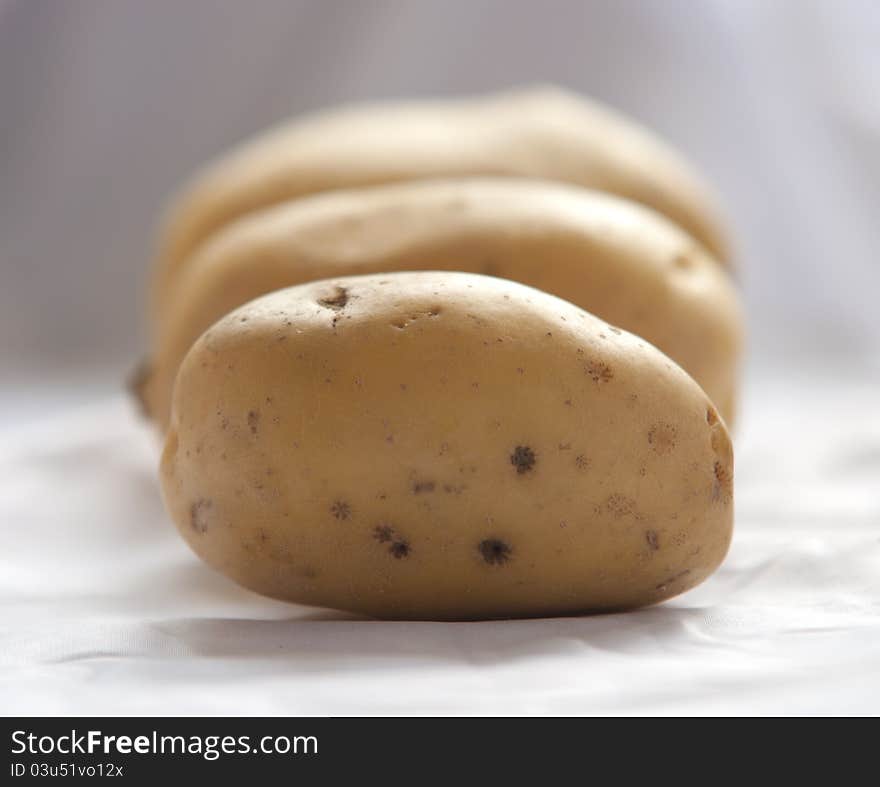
[
  {"x": 542, "y": 132},
  {"x": 446, "y": 446},
  {"x": 623, "y": 262}
]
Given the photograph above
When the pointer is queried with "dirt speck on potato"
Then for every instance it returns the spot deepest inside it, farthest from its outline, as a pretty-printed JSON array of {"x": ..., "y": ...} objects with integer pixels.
[
  {"x": 337, "y": 300},
  {"x": 494, "y": 551},
  {"x": 383, "y": 533},
  {"x": 253, "y": 420},
  {"x": 667, "y": 582},
  {"x": 620, "y": 506},
  {"x": 199, "y": 514},
  {"x": 652, "y": 539},
  {"x": 581, "y": 462},
  {"x": 523, "y": 459},
  {"x": 722, "y": 488},
  {"x": 421, "y": 487},
  {"x": 599, "y": 371},
  {"x": 340, "y": 510},
  {"x": 662, "y": 438},
  {"x": 398, "y": 547}
]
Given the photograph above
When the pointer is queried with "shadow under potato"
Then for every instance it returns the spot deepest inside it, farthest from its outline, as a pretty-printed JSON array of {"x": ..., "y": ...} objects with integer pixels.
[{"x": 349, "y": 641}]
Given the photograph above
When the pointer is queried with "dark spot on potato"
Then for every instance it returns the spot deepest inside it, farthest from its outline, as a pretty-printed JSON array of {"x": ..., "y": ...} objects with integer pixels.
[
  {"x": 523, "y": 459},
  {"x": 337, "y": 300},
  {"x": 399, "y": 549},
  {"x": 620, "y": 506},
  {"x": 341, "y": 510},
  {"x": 581, "y": 462},
  {"x": 667, "y": 582},
  {"x": 199, "y": 513},
  {"x": 722, "y": 489},
  {"x": 494, "y": 551},
  {"x": 652, "y": 539},
  {"x": 615, "y": 331},
  {"x": 253, "y": 419},
  {"x": 661, "y": 437},
  {"x": 422, "y": 486},
  {"x": 711, "y": 416},
  {"x": 383, "y": 533},
  {"x": 599, "y": 371}
]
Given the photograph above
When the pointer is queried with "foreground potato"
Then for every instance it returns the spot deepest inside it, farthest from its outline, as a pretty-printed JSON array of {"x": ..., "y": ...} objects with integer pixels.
[
  {"x": 541, "y": 133},
  {"x": 620, "y": 261},
  {"x": 444, "y": 445}
]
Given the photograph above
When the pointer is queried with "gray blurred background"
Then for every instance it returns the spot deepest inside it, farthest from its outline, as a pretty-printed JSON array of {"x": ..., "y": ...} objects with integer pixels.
[{"x": 106, "y": 106}]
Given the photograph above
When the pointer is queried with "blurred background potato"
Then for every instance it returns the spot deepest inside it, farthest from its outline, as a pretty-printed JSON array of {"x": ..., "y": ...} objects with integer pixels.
[{"x": 108, "y": 107}]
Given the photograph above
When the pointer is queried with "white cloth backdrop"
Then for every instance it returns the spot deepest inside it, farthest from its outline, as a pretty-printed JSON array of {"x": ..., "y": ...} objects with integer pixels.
[{"x": 106, "y": 611}]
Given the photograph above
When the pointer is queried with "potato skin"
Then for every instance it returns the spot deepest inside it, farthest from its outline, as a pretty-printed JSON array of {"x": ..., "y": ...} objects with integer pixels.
[
  {"x": 539, "y": 132},
  {"x": 444, "y": 446},
  {"x": 616, "y": 259}
]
